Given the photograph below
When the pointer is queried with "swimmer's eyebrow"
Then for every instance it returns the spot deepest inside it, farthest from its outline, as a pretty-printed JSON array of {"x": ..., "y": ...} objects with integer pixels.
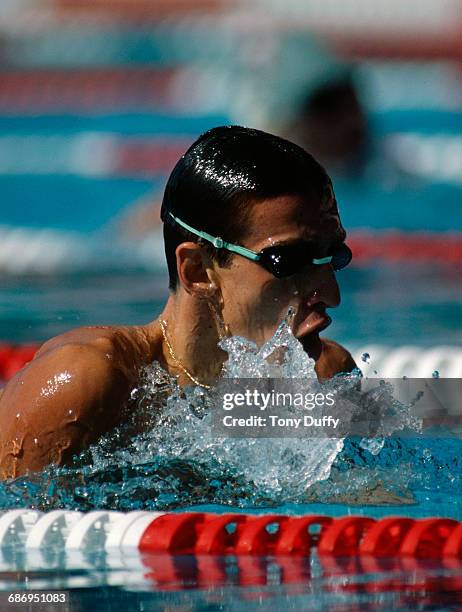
[
  {"x": 337, "y": 239},
  {"x": 293, "y": 242}
]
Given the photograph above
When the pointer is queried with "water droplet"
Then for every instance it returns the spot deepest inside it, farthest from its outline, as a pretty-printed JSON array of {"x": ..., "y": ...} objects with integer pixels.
[
  {"x": 35, "y": 440},
  {"x": 70, "y": 411},
  {"x": 366, "y": 357},
  {"x": 18, "y": 415},
  {"x": 291, "y": 311},
  {"x": 435, "y": 374},
  {"x": 373, "y": 445}
]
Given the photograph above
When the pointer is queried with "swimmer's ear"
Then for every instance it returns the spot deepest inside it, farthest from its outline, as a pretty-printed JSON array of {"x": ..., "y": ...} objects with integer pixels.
[{"x": 195, "y": 270}]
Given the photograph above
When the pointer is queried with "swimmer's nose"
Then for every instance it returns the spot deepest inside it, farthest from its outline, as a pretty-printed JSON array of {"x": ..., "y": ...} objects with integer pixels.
[{"x": 326, "y": 289}]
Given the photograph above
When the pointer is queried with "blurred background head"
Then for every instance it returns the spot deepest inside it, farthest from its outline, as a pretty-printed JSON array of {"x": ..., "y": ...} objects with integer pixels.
[
  {"x": 332, "y": 124},
  {"x": 100, "y": 98}
]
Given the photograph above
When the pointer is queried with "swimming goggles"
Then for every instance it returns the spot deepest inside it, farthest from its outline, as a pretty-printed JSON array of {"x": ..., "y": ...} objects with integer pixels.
[{"x": 281, "y": 260}]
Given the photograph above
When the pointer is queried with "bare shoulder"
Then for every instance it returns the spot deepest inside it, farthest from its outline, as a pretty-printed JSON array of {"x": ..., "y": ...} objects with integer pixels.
[
  {"x": 73, "y": 391},
  {"x": 102, "y": 339},
  {"x": 334, "y": 359},
  {"x": 122, "y": 347}
]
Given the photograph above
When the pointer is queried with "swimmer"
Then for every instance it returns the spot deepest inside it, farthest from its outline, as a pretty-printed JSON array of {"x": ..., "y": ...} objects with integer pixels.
[{"x": 251, "y": 227}]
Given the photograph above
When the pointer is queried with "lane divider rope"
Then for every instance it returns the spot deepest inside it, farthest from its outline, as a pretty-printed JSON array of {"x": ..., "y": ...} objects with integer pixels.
[
  {"x": 200, "y": 533},
  {"x": 413, "y": 361}
]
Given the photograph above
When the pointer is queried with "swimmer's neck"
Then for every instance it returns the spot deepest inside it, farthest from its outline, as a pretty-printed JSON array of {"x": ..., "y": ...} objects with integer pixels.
[{"x": 193, "y": 334}]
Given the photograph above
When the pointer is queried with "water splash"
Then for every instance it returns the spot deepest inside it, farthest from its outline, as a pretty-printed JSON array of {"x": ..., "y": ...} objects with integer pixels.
[
  {"x": 283, "y": 356},
  {"x": 373, "y": 445},
  {"x": 273, "y": 468}
]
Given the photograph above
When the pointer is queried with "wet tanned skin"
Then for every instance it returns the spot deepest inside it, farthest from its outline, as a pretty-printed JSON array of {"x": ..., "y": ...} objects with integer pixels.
[{"x": 73, "y": 391}]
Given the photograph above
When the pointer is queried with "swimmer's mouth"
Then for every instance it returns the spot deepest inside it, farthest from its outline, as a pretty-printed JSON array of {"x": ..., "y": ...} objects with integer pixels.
[{"x": 314, "y": 323}]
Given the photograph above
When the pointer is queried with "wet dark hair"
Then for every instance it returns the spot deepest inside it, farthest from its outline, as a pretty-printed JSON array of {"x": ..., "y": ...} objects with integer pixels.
[{"x": 214, "y": 184}]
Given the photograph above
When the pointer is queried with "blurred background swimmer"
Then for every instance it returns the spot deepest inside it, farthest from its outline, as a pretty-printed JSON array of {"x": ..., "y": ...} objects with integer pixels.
[{"x": 99, "y": 99}]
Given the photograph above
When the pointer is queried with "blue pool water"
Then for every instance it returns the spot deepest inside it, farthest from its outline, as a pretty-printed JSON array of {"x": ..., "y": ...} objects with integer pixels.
[{"x": 75, "y": 196}]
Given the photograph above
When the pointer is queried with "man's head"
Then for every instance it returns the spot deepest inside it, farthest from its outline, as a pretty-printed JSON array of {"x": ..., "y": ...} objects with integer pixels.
[{"x": 254, "y": 190}]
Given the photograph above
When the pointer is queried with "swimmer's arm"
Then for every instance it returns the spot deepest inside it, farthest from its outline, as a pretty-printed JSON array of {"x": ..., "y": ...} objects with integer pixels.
[
  {"x": 334, "y": 359},
  {"x": 66, "y": 398}
]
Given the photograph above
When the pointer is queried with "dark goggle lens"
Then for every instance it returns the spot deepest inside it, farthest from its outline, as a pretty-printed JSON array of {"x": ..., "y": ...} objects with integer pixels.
[
  {"x": 285, "y": 261},
  {"x": 341, "y": 257}
]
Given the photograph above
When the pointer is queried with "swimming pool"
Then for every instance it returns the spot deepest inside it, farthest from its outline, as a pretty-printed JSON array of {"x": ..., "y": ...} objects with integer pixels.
[
  {"x": 384, "y": 305},
  {"x": 423, "y": 477}
]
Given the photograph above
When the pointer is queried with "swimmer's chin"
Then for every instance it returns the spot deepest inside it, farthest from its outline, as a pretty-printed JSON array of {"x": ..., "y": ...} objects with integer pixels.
[
  {"x": 308, "y": 335},
  {"x": 312, "y": 344}
]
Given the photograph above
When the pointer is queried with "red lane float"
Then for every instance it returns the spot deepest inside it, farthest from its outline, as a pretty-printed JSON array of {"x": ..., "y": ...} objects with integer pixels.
[
  {"x": 339, "y": 541},
  {"x": 240, "y": 534},
  {"x": 385, "y": 536},
  {"x": 14, "y": 357},
  {"x": 177, "y": 551},
  {"x": 396, "y": 246},
  {"x": 86, "y": 88}
]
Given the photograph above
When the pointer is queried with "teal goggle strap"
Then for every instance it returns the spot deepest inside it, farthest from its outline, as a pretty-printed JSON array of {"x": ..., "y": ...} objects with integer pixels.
[{"x": 219, "y": 243}]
